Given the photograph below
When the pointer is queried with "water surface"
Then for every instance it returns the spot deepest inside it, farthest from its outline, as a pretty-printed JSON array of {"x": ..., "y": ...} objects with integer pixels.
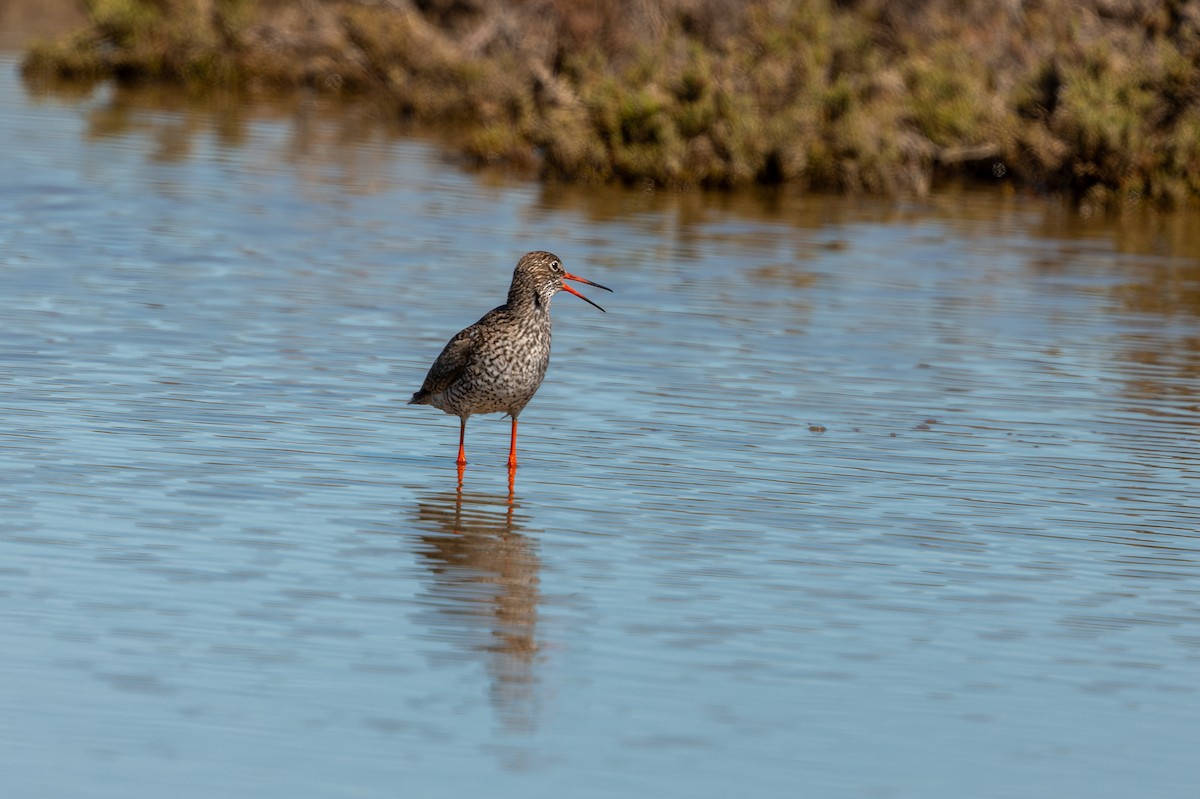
[{"x": 841, "y": 498}]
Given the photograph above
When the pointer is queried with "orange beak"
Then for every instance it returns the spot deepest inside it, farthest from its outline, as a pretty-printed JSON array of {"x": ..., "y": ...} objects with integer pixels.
[{"x": 569, "y": 290}]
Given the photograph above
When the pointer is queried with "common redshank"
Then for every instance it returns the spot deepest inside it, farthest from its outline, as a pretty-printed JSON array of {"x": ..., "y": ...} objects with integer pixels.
[{"x": 497, "y": 364}]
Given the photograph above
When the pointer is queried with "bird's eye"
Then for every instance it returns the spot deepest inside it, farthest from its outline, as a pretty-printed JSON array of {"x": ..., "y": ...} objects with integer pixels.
[{"x": 556, "y": 266}]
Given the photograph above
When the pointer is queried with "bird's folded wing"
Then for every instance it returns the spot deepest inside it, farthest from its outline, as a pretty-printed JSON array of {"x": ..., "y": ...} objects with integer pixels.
[{"x": 450, "y": 365}]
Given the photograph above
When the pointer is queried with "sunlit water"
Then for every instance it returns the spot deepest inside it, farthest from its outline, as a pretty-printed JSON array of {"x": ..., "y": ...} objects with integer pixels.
[{"x": 839, "y": 499}]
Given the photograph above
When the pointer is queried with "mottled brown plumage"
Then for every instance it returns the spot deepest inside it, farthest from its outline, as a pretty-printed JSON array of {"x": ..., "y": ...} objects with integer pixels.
[{"x": 497, "y": 364}]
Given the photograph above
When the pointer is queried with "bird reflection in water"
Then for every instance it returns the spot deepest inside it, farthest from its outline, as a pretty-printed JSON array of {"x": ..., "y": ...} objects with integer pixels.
[
  {"x": 484, "y": 593},
  {"x": 512, "y": 481}
]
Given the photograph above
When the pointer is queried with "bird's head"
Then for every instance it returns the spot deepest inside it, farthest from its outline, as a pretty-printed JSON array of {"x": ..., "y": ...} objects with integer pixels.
[{"x": 544, "y": 273}]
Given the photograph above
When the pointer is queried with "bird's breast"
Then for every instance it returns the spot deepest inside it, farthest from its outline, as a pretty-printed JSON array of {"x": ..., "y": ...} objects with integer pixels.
[{"x": 505, "y": 372}]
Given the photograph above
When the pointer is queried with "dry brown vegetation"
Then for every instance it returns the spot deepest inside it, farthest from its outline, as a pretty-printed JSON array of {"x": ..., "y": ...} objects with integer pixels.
[{"x": 1100, "y": 98}]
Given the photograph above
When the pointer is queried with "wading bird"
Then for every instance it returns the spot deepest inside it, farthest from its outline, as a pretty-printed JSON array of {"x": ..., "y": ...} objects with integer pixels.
[{"x": 497, "y": 364}]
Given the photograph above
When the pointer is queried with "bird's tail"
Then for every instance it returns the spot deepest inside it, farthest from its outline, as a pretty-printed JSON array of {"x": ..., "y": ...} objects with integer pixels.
[{"x": 419, "y": 398}]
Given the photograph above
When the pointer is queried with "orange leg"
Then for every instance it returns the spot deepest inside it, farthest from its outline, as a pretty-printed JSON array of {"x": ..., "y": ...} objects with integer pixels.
[
  {"x": 512, "y": 448},
  {"x": 462, "y": 435}
]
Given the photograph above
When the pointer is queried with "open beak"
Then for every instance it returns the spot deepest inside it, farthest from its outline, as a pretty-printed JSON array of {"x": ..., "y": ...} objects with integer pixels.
[{"x": 569, "y": 290}]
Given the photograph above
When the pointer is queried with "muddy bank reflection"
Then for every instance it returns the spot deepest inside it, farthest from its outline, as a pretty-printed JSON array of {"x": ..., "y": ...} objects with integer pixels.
[{"x": 483, "y": 595}]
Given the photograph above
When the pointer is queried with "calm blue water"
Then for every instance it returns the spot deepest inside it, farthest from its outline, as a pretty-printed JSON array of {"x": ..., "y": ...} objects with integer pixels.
[{"x": 839, "y": 499}]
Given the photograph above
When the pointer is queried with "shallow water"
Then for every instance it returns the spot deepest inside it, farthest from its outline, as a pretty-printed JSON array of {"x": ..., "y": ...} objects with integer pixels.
[{"x": 838, "y": 499}]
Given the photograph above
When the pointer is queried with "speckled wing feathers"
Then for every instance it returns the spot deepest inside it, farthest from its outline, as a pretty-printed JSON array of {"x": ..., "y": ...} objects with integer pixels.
[{"x": 450, "y": 365}]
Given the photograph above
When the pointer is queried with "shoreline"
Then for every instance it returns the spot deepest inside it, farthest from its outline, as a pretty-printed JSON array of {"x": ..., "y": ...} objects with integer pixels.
[{"x": 1099, "y": 101}]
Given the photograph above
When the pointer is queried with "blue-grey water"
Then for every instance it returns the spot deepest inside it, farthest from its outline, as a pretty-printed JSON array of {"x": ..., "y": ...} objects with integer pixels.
[{"x": 839, "y": 499}]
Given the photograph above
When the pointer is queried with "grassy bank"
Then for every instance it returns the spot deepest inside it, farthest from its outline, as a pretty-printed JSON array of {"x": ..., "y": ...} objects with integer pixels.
[{"x": 1100, "y": 98}]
